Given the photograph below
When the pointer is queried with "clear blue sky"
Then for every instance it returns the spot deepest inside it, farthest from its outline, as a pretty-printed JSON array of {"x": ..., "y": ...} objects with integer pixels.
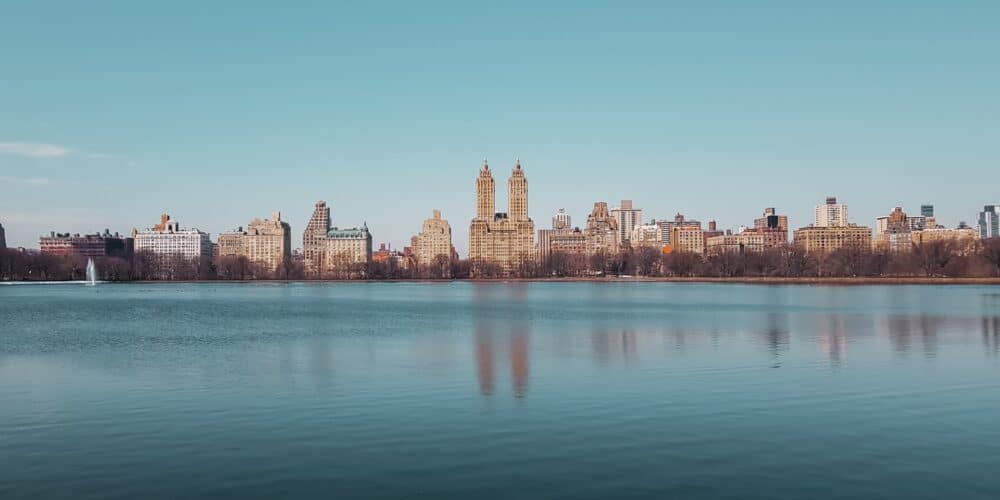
[{"x": 215, "y": 112}]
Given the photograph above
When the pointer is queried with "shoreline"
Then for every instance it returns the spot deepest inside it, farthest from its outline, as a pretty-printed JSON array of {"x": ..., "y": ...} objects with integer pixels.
[{"x": 859, "y": 281}]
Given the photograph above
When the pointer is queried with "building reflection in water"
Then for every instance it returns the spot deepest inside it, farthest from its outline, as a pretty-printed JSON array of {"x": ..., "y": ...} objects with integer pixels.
[
  {"x": 608, "y": 345},
  {"x": 497, "y": 325},
  {"x": 777, "y": 336},
  {"x": 484, "y": 360},
  {"x": 905, "y": 331},
  {"x": 991, "y": 323},
  {"x": 832, "y": 341},
  {"x": 991, "y": 334}
]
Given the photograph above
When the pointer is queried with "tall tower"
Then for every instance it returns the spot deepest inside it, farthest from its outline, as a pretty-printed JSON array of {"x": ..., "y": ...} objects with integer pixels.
[
  {"x": 485, "y": 193},
  {"x": 517, "y": 194},
  {"x": 314, "y": 237}
]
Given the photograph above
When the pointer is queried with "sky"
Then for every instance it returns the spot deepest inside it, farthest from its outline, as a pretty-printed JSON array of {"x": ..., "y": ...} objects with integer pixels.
[{"x": 219, "y": 112}]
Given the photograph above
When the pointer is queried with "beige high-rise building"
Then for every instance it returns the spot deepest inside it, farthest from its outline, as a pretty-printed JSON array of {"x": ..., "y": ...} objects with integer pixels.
[
  {"x": 568, "y": 242},
  {"x": 314, "y": 238},
  {"x": 347, "y": 251},
  {"x": 267, "y": 243},
  {"x": 434, "y": 239},
  {"x": 496, "y": 238},
  {"x": 964, "y": 239},
  {"x": 601, "y": 231},
  {"x": 830, "y": 238},
  {"x": 745, "y": 242},
  {"x": 327, "y": 249},
  {"x": 687, "y": 239}
]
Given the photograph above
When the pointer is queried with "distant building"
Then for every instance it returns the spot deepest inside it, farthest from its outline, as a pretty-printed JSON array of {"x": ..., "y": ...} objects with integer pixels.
[
  {"x": 601, "y": 231},
  {"x": 771, "y": 220},
  {"x": 560, "y": 225},
  {"x": 747, "y": 241},
  {"x": 897, "y": 221},
  {"x": 830, "y": 214},
  {"x": 87, "y": 245},
  {"x": 893, "y": 231},
  {"x": 684, "y": 238},
  {"x": 347, "y": 249},
  {"x": 314, "y": 238},
  {"x": 666, "y": 227},
  {"x": 646, "y": 235},
  {"x": 568, "y": 242},
  {"x": 927, "y": 211},
  {"x": 386, "y": 255},
  {"x": 772, "y": 227},
  {"x": 712, "y": 230},
  {"x": 825, "y": 239},
  {"x": 561, "y": 220},
  {"x": 433, "y": 240},
  {"x": 503, "y": 239},
  {"x": 989, "y": 222},
  {"x": 167, "y": 239},
  {"x": 3, "y": 238},
  {"x": 963, "y": 238},
  {"x": 628, "y": 218},
  {"x": 266, "y": 243},
  {"x": 327, "y": 249}
]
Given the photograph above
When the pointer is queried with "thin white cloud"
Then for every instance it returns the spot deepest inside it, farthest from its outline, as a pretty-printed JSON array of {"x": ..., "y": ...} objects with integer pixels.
[
  {"x": 26, "y": 181},
  {"x": 101, "y": 156},
  {"x": 34, "y": 149}
]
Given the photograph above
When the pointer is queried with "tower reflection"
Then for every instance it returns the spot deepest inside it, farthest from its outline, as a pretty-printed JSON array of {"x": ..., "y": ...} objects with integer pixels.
[{"x": 497, "y": 324}]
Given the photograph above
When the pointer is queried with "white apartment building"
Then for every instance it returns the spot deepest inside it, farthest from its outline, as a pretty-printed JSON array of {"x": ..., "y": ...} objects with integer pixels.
[
  {"x": 561, "y": 220},
  {"x": 648, "y": 235},
  {"x": 628, "y": 218},
  {"x": 830, "y": 214},
  {"x": 167, "y": 239}
]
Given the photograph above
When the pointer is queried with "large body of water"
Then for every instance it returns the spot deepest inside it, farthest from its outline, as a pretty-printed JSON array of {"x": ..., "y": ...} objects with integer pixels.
[{"x": 526, "y": 390}]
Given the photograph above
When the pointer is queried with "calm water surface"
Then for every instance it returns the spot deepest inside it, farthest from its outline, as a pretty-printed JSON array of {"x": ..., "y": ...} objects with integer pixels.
[{"x": 540, "y": 390}]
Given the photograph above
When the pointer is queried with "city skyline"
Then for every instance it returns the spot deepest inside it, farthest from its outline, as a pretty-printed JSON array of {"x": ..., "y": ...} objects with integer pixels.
[
  {"x": 382, "y": 112},
  {"x": 735, "y": 228}
]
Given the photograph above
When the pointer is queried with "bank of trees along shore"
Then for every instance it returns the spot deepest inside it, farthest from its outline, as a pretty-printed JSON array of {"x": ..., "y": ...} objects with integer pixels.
[{"x": 934, "y": 259}]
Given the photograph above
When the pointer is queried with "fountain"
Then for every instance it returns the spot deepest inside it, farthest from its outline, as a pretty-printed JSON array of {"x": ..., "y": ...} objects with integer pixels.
[{"x": 91, "y": 273}]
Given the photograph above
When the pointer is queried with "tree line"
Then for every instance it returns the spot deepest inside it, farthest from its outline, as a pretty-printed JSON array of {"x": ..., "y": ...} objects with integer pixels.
[{"x": 933, "y": 259}]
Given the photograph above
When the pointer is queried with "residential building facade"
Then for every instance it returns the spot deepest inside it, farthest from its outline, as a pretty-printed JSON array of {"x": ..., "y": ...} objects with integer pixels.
[
  {"x": 314, "y": 238},
  {"x": 771, "y": 220},
  {"x": 666, "y": 227},
  {"x": 830, "y": 214},
  {"x": 964, "y": 239},
  {"x": 747, "y": 241},
  {"x": 568, "y": 242},
  {"x": 266, "y": 243},
  {"x": 433, "y": 240},
  {"x": 628, "y": 219},
  {"x": 824, "y": 239},
  {"x": 327, "y": 249},
  {"x": 687, "y": 238},
  {"x": 87, "y": 245},
  {"x": 167, "y": 239},
  {"x": 560, "y": 224},
  {"x": 601, "y": 231},
  {"x": 561, "y": 220},
  {"x": 989, "y": 221},
  {"x": 347, "y": 250},
  {"x": 646, "y": 235},
  {"x": 503, "y": 239}
]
